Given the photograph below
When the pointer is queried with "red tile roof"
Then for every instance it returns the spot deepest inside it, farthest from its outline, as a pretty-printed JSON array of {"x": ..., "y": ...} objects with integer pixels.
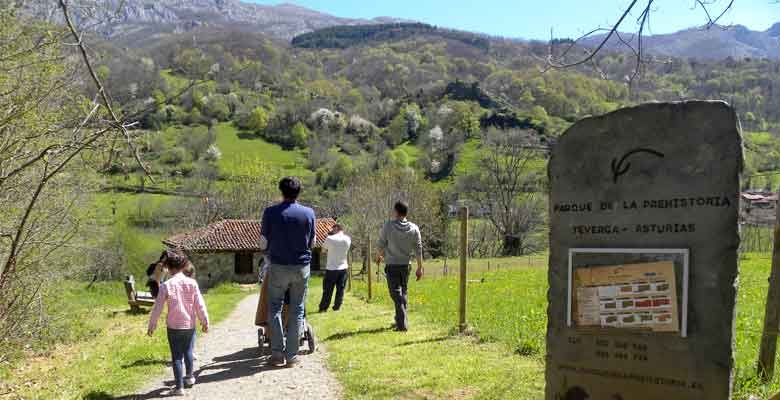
[
  {"x": 760, "y": 196},
  {"x": 233, "y": 235}
]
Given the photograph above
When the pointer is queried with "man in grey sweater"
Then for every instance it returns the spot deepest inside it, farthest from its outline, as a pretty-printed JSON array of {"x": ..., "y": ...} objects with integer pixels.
[{"x": 399, "y": 241}]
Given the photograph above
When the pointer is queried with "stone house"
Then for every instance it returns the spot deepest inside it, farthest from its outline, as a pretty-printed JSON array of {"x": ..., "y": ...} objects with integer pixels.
[{"x": 228, "y": 250}]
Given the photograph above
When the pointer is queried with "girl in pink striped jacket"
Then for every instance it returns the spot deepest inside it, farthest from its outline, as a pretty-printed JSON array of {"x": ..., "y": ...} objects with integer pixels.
[{"x": 185, "y": 303}]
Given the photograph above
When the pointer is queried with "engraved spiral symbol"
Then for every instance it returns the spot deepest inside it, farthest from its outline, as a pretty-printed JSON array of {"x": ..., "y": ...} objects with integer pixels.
[{"x": 618, "y": 167}]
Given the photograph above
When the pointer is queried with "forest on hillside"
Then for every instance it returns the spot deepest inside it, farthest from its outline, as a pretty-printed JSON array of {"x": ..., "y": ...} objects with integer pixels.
[{"x": 359, "y": 104}]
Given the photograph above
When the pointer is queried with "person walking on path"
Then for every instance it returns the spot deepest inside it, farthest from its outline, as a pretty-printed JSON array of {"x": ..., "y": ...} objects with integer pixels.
[
  {"x": 399, "y": 241},
  {"x": 189, "y": 272},
  {"x": 337, "y": 247},
  {"x": 290, "y": 231},
  {"x": 185, "y": 303}
]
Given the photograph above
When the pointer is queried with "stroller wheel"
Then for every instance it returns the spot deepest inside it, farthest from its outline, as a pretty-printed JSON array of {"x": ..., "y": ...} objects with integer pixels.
[
  {"x": 310, "y": 338},
  {"x": 262, "y": 339}
]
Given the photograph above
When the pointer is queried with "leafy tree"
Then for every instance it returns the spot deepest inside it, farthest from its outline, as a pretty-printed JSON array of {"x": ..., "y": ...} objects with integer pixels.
[
  {"x": 216, "y": 106},
  {"x": 338, "y": 172},
  {"x": 397, "y": 132},
  {"x": 258, "y": 120},
  {"x": 195, "y": 117},
  {"x": 406, "y": 125},
  {"x": 193, "y": 62},
  {"x": 299, "y": 135},
  {"x": 53, "y": 135}
]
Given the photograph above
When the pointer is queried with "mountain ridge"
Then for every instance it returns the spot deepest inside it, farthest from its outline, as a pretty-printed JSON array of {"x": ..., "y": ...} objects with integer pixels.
[
  {"x": 713, "y": 43},
  {"x": 136, "y": 23},
  {"x": 141, "y": 21}
]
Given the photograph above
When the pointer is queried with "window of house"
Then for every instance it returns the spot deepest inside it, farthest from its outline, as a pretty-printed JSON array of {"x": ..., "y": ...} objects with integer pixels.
[{"x": 244, "y": 264}]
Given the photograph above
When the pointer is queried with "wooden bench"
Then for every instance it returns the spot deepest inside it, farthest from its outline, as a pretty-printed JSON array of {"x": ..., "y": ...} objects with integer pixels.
[{"x": 135, "y": 298}]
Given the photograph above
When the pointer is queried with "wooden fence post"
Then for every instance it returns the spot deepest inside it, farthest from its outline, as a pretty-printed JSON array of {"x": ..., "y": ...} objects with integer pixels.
[
  {"x": 370, "y": 262},
  {"x": 766, "y": 355},
  {"x": 464, "y": 250}
]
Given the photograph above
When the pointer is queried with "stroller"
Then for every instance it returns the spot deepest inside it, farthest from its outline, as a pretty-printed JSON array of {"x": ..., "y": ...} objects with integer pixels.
[{"x": 305, "y": 334}]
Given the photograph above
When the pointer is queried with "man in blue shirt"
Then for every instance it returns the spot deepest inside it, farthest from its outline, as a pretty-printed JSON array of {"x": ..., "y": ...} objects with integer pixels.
[{"x": 290, "y": 232}]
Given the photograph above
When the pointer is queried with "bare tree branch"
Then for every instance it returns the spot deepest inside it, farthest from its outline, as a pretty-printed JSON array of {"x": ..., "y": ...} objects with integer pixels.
[
  {"x": 47, "y": 150},
  {"x": 704, "y": 4},
  {"x": 101, "y": 89},
  {"x": 553, "y": 61}
]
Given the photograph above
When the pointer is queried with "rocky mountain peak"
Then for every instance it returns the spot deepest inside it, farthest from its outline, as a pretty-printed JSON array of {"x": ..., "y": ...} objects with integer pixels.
[{"x": 133, "y": 21}]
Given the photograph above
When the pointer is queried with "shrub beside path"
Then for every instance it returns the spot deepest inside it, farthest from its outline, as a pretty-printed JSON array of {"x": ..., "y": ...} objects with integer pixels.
[{"x": 229, "y": 366}]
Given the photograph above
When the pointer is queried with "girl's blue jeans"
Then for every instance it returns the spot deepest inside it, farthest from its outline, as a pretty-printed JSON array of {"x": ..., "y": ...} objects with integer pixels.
[{"x": 180, "y": 342}]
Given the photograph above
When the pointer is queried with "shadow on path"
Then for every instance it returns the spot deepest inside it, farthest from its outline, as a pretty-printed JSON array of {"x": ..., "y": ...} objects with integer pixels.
[
  {"x": 154, "y": 394},
  {"x": 349, "y": 334},
  {"x": 425, "y": 341},
  {"x": 246, "y": 362},
  {"x": 146, "y": 362},
  {"x": 242, "y": 363}
]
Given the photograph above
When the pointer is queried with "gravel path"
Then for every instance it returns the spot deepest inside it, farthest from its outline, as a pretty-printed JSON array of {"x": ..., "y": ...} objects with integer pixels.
[{"x": 229, "y": 366}]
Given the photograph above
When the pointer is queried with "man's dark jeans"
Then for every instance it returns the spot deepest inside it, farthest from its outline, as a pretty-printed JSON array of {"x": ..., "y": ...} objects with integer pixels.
[
  {"x": 337, "y": 279},
  {"x": 180, "y": 341},
  {"x": 398, "y": 283}
]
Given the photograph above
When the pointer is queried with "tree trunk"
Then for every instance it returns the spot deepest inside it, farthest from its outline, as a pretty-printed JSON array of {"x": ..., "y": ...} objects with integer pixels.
[{"x": 511, "y": 246}]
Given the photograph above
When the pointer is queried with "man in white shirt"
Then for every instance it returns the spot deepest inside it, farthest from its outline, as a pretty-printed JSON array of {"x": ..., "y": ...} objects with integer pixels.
[{"x": 337, "y": 247}]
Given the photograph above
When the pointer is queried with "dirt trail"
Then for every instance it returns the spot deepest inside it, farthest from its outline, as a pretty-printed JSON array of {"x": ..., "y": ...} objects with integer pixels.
[{"x": 229, "y": 367}]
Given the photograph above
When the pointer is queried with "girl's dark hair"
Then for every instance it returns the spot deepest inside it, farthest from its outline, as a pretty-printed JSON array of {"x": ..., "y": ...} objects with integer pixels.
[{"x": 174, "y": 259}]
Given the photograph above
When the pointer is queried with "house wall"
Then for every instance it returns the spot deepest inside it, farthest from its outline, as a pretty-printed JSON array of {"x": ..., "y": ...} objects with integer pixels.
[{"x": 213, "y": 269}]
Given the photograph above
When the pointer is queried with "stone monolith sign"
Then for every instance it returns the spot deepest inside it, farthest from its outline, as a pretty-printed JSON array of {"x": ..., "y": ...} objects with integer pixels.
[{"x": 643, "y": 254}]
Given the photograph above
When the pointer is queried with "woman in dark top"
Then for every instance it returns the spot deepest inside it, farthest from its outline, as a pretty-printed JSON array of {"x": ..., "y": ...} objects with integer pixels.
[{"x": 155, "y": 273}]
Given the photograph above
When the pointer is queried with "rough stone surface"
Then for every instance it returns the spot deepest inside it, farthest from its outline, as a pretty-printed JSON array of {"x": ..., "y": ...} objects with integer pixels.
[
  {"x": 698, "y": 154},
  {"x": 215, "y": 268},
  {"x": 229, "y": 366}
]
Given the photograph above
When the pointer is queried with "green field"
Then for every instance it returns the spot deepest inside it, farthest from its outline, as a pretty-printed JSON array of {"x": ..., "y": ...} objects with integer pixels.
[
  {"x": 508, "y": 307},
  {"x": 428, "y": 362},
  {"x": 468, "y": 157},
  {"x": 471, "y": 152},
  {"x": 136, "y": 243},
  {"x": 244, "y": 154},
  {"x": 507, "y": 304}
]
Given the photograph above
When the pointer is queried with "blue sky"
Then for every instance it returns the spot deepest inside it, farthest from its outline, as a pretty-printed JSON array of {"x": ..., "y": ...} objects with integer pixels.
[{"x": 534, "y": 19}]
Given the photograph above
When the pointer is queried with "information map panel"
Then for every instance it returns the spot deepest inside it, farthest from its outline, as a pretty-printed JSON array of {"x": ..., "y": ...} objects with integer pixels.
[{"x": 643, "y": 289}]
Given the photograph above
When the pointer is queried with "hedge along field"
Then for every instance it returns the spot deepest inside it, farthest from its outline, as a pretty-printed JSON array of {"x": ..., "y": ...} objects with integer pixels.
[{"x": 509, "y": 306}]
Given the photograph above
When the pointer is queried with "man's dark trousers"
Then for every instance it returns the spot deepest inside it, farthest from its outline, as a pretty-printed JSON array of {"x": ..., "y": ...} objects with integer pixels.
[
  {"x": 337, "y": 279},
  {"x": 398, "y": 283}
]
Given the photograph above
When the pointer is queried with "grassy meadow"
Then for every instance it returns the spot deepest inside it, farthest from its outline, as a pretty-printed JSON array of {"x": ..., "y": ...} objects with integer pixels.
[
  {"x": 243, "y": 152},
  {"x": 507, "y": 311},
  {"x": 132, "y": 232},
  {"x": 428, "y": 362}
]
